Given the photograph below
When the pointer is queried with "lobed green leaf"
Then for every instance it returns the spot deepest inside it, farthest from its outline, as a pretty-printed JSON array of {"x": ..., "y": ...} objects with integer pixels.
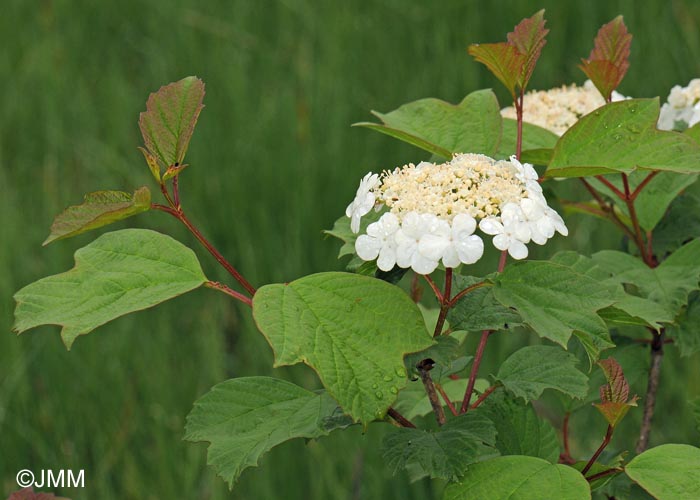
[
  {"x": 118, "y": 273},
  {"x": 244, "y": 418},
  {"x": 444, "y": 453},
  {"x": 352, "y": 330},
  {"x": 530, "y": 370}
]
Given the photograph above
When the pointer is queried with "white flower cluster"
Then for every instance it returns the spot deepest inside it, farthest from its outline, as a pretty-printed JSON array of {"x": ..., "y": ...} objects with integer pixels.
[
  {"x": 432, "y": 211},
  {"x": 559, "y": 108},
  {"x": 683, "y": 107}
]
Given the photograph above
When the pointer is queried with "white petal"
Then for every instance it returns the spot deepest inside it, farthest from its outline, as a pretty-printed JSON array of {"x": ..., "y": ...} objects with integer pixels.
[
  {"x": 491, "y": 225},
  {"x": 432, "y": 246},
  {"x": 517, "y": 250},
  {"x": 387, "y": 258},
  {"x": 355, "y": 223},
  {"x": 423, "y": 265},
  {"x": 366, "y": 247},
  {"x": 501, "y": 241},
  {"x": 521, "y": 231},
  {"x": 450, "y": 258},
  {"x": 463, "y": 223},
  {"x": 470, "y": 250}
]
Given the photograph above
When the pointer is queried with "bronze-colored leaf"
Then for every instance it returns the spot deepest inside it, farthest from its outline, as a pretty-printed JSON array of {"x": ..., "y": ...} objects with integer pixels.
[{"x": 609, "y": 59}]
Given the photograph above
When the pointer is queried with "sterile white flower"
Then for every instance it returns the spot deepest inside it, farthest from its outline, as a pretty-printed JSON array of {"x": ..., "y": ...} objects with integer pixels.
[
  {"x": 363, "y": 202},
  {"x": 432, "y": 210},
  {"x": 682, "y": 108},
  {"x": 379, "y": 242}
]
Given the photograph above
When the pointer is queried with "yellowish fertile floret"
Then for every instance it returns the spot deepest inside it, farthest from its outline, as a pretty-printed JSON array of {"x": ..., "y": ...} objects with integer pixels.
[
  {"x": 559, "y": 108},
  {"x": 469, "y": 184}
]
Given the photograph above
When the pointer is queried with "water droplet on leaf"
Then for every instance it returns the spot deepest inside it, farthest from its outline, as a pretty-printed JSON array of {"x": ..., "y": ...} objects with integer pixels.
[
  {"x": 393, "y": 390},
  {"x": 379, "y": 394}
]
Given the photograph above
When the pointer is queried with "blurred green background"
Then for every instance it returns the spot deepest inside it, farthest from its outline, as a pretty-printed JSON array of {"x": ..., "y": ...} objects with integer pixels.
[{"x": 273, "y": 162}]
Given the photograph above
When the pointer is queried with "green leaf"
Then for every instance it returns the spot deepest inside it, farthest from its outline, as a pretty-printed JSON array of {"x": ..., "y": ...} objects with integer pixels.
[
  {"x": 556, "y": 302},
  {"x": 628, "y": 309},
  {"x": 686, "y": 335},
  {"x": 441, "y": 128},
  {"x": 444, "y": 453},
  {"x": 352, "y": 330},
  {"x": 609, "y": 59},
  {"x": 520, "y": 430},
  {"x": 680, "y": 225},
  {"x": 413, "y": 401},
  {"x": 668, "y": 472},
  {"x": 668, "y": 284},
  {"x": 118, "y": 273},
  {"x": 530, "y": 370},
  {"x": 98, "y": 209},
  {"x": 479, "y": 310},
  {"x": 519, "y": 477},
  {"x": 614, "y": 395},
  {"x": 444, "y": 353},
  {"x": 169, "y": 120},
  {"x": 538, "y": 142},
  {"x": 244, "y": 418},
  {"x": 622, "y": 137}
]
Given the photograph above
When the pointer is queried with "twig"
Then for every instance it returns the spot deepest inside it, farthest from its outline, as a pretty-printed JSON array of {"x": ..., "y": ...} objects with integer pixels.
[
  {"x": 436, "y": 290},
  {"x": 215, "y": 285},
  {"x": 475, "y": 369},
  {"x": 176, "y": 193},
  {"x": 519, "y": 116},
  {"x": 657, "y": 353},
  {"x": 424, "y": 368},
  {"x": 400, "y": 419},
  {"x": 612, "y": 187},
  {"x": 446, "y": 398},
  {"x": 635, "y": 220},
  {"x": 614, "y": 470},
  {"x": 445, "y": 304},
  {"x": 416, "y": 289},
  {"x": 483, "y": 396},
  {"x": 502, "y": 261},
  {"x": 642, "y": 184},
  {"x": 566, "y": 457},
  {"x": 606, "y": 441}
]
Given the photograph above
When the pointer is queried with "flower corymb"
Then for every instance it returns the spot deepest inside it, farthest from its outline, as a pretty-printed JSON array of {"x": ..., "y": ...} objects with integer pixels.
[
  {"x": 559, "y": 108},
  {"x": 683, "y": 107},
  {"x": 431, "y": 212}
]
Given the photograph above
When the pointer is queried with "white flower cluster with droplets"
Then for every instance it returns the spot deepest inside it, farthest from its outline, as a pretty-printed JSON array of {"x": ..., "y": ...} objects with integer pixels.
[
  {"x": 559, "y": 108},
  {"x": 431, "y": 212},
  {"x": 682, "y": 109}
]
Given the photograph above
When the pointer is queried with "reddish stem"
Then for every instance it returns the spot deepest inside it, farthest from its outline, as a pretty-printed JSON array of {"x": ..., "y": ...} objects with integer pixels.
[
  {"x": 606, "y": 442},
  {"x": 416, "y": 289},
  {"x": 612, "y": 187},
  {"x": 566, "y": 457},
  {"x": 519, "y": 116},
  {"x": 215, "y": 285},
  {"x": 502, "y": 261},
  {"x": 467, "y": 290},
  {"x": 657, "y": 353},
  {"x": 483, "y": 396},
  {"x": 446, "y": 303},
  {"x": 424, "y": 368},
  {"x": 434, "y": 287},
  {"x": 446, "y": 398},
  {"x": 475, "y": 369},
  {"x": 614, "y": 470},
  {"x": 179, "y": 214},
  {"x": 400, "y": 419},
  {"x": 176, "y": 193},
  {"x": 635, "y": 220},
  {"x": 642, "y": 184}
]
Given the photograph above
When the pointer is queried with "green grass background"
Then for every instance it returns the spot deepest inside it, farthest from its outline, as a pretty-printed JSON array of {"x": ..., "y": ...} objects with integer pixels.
[{"x": 273, "y": 162}]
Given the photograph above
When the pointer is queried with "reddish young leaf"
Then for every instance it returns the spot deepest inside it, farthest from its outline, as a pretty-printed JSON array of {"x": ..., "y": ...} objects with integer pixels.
[
  {"x": 528, "y": 38},
  {"x": 609, "y": 59},
  {"x": 615, "y": 394},
  {"x": 513, "y": 62},
  {"x": 169, "y": 120},
  {"x": 502, "y": 59}
]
